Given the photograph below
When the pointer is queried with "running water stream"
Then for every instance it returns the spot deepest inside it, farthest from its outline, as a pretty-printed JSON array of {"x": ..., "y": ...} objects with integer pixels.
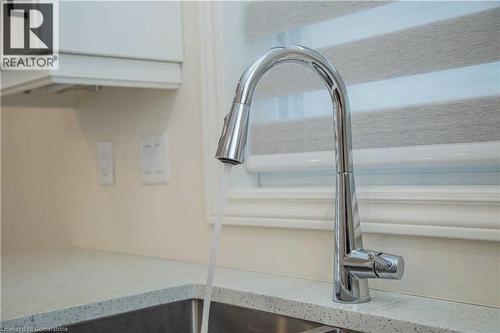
[{"x": 221, "y": 202}]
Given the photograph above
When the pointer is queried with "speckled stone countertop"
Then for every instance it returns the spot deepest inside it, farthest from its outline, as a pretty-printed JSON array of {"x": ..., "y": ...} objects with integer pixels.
[{"x": 49, "y": 289}]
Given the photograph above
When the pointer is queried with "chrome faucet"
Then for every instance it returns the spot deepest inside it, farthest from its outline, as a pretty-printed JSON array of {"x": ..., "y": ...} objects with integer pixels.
[{"x": 353, "y": 265}]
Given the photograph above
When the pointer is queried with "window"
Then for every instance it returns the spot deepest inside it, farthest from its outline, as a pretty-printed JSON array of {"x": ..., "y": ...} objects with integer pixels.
[{"x": 423, "y": 81}]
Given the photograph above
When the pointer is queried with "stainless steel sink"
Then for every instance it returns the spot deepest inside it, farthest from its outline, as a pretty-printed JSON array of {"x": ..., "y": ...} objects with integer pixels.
[{"x": 185, "y": 317}]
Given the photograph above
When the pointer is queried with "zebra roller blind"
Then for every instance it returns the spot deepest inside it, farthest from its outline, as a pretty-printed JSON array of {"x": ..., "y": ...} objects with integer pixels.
[{"x": 417, "y": 73}]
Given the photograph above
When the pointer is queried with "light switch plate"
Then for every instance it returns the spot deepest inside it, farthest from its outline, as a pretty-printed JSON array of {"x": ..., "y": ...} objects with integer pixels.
[
  {"x": 106, "y": 165},
  {"x": 155, "y": 159}
]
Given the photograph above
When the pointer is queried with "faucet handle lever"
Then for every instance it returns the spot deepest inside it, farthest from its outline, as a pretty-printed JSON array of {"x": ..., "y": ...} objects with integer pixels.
[
  {"x": 388, "y": 266},
  {"x": 364, "y": 264}
]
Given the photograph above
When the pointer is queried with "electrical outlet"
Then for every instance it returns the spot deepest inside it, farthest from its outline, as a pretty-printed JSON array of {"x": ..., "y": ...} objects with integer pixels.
[
  {"x": 106, "y": 165},
  {"x": 155, "y": 159}
]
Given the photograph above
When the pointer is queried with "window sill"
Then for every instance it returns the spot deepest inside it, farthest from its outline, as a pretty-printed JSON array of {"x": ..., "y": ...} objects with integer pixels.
[{"x": 464, "y": 212}]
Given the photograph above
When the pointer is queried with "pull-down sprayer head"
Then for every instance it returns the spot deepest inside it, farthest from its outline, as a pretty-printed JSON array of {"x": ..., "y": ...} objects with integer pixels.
[{"x": 233, "y": 139}]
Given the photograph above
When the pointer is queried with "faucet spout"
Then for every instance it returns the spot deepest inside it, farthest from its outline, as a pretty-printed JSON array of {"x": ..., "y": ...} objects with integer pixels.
[{"x": 352, "y": 266}]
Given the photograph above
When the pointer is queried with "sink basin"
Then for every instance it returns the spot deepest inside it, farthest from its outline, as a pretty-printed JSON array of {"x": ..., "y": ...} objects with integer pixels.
[{"x": 185, "y": 317}]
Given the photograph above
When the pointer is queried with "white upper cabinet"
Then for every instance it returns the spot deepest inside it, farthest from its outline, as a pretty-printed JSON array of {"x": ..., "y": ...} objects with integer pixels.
[
  {"x": 111, "y": 43},
  {"x": 141, "y": 30}
]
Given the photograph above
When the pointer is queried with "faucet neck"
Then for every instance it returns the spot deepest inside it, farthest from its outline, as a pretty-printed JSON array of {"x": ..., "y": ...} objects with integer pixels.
[{"x": 332, "y": 79}]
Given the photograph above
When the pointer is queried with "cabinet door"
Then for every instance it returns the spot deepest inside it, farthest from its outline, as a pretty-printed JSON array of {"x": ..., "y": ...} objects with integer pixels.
[{"x": 129, "y": 29}]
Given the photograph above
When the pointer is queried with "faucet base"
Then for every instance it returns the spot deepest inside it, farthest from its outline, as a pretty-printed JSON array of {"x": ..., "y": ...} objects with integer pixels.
[
  {"x": 350, "y": 290},
  {"x": 358, "y": 301}
]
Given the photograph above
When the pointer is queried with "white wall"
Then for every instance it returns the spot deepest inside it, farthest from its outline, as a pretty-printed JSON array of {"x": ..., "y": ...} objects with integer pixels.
[
  {"x": 36, "y": 182},
  {"x": 51, "y": 194}
]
